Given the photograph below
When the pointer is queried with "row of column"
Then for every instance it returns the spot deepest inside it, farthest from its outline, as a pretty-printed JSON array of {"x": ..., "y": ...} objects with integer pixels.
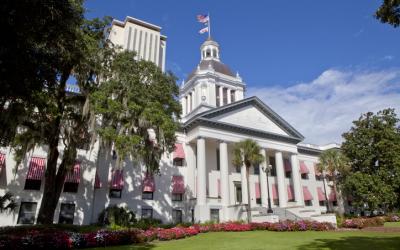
[
  {"x": 187, "y": 103},
  {"x": 224, "y": 178}
]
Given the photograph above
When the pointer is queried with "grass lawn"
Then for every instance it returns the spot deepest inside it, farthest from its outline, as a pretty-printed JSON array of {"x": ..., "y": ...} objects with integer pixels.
[
  {"x": 277, "y": 240},
  {"x": 392, "y": 224}
]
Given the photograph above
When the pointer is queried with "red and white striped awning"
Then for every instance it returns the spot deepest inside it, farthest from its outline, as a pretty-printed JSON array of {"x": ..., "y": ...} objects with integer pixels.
[
  {"x": 287, "y": 165},
  {"x": 97, "y": 182},
  {"x": 36, "y": 169},
  {"x": 117, "y": 179},
  {"x": 321, "y": 195},
  {"x": 178, "y": 185},
  {"x": 275, "y": 192},
  {"x": 303, "y": 168},
  {"x": 257, "y": 188},
  {"x": 178, "y": 152},
  {"x": 332, "y": 196},
  {"x": 148, "y": 183},
  {"x": 74, "y": 175},
  {"x": 2, "y": 161},
  {"x": 290, "y": 192},
  {"x": 306, "y": 194}
]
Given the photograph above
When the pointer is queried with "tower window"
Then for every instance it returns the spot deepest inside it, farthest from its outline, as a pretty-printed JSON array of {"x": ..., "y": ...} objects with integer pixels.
[
  {"x": 217, "y": 99},
  {"x": 208, "y": 53},
  {"x": 233, "y": 96},
  {"x": 225, "y": 96},
  {"x": 214, "y": 53}
]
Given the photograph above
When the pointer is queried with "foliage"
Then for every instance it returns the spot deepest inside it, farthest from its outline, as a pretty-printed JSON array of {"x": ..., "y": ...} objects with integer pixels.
[
  {"x": 247, "y": 152},
  {"x": 117, "y": 216},
  {"x": 389, "y": 12},
  {"x": 7, "y": 202},
  {"x": 363, "y": 222},
  {"x": 135, "y": 99},
  {"x": 372, "y": 145}
]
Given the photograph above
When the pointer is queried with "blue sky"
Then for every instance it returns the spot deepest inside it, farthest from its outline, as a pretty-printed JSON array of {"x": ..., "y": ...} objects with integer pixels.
[{"x": 285, "y": 52}]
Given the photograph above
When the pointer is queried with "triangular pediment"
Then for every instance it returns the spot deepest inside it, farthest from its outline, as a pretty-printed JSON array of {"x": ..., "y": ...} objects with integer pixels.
[
  {"x": 249, "y": 115},
  {"x": 252, "y": 118}
]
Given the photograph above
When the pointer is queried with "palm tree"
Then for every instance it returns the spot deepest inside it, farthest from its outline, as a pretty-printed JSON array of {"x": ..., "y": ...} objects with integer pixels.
[
  {"x": 7, "y": 202},
  {"x": 332, "y": 161},
  {"x": 247, "y": 152}
]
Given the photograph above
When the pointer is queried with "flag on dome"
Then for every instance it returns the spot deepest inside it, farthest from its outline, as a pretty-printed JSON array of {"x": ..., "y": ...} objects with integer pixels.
[
  {"x": 203, "y": 30},
  {"x": 202, "y": 18}
]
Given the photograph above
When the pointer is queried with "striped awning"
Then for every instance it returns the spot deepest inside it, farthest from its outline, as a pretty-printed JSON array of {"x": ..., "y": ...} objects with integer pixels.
[
  {"x": 290, "y": 192},
  {"x": 148, "y": 183},
  {"x": 178, "y": 185},
  {"x": 257, "y": 188},
  {"x": 332, "y": 196},
  {"x": 317, "y": 172},
  {"x": 287, "y": 165},
  {"x": 36, "y": 169},
  {"x": 74, "y": 175},
  {"x": 117, "y": 179},
  {"x": 178, "y": 152},
  {"x": 321, "y": 195},
  {"x": 303, "y": 168},
  {"x": 306, "y": 194},
  {"x": 2, "y": 161},
  {"x": 97, "y": 182},
  {"x": 274, "y": 192}
]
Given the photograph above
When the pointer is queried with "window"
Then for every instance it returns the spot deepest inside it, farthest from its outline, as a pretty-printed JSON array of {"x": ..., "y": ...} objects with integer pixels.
[
  {"x": 237, "y": 168},
  {"x": 258, "y": 201},
  {"x": 288, "y": 174},
  {"x": 272, "y": 163},
  {"x": 218, "y": 157},
  {"x": 177, "y": 197},
  {"x": 115, "y": 193},
  {"x": 308, "y": 203},
  {"x": 178, "y": 162},
  {"x": 32, "y": 184},
  {"x": 233, "y": 95},
  {"x": 147, "y": 213},
  {"x": 318, "y": 177},
  {"x": 208, "y": 53},
  {"x": 225, "y": 96},
  {"x": 71, "y": 187},
  {"x": 238, "y": 191},
  {"x": 27, "y": 213},
  {"x": 276, "y": 202},
  {"x": 334, "y": 203},
  {"x": 177, "y": 216},
  {"x": 217, "y": 99},
  {"x": 257, "y": 170},
  {"x": 322, "y": 203},
  {"x": 147, "y": 195},
  {"x": 191, "y": 101},
  {"x": 214, "y": 215},
  {"x": 66, "y": 213},
  {"x": 304, "y": 176},
  {"x": 214, "y": 53}
]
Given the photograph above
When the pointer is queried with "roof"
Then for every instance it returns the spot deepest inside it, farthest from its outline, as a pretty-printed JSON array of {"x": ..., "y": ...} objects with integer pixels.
[
  {"x": 216, "y": 65},
  {"x": 205, "y": 119}
]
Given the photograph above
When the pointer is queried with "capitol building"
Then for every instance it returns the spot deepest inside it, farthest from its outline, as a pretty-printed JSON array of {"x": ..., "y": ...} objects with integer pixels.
[{"x": 198, "y": 181}]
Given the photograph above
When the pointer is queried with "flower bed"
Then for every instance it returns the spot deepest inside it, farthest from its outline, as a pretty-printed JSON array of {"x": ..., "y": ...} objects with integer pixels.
[
  {"x": 53, "y": 239},
  {"x": 363, "y": 222}
]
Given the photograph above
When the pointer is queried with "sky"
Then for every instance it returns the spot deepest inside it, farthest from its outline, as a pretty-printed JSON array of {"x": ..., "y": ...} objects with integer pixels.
[{"x": 318, "y": 64}]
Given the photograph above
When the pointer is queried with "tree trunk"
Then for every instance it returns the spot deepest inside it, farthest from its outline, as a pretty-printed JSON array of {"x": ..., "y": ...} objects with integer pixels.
[
  {"x": 248, "y": 195},
  {"x": 339, "y": 198}
]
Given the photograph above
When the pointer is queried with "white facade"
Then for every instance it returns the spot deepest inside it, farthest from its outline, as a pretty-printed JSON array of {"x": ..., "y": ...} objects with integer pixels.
[
  {"x": 144, "y": 38},
  {"x": 215, "y": 116}
]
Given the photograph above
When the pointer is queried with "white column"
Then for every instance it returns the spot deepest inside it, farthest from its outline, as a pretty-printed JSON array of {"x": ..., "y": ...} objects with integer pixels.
[
  {"x": 223, "y": 159},
  {"x": 263, "y": 180},
  {"x": 202, "y": 212},
  {"x": 201, "y": 171},
  {"x": 244, "y": 184},
  {"x": 228, "y": 92},
  {"x": 280, "y": 176},
  {"x": 183, "y": 101},
  {"x": 191, "y": 170},
  {"x": 221, "y": 96},
  {"x": 296, "y": 180}
]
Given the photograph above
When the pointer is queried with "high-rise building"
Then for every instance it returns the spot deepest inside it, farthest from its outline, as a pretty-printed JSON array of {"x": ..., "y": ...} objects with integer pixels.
[{"x": 140, "y": 36}]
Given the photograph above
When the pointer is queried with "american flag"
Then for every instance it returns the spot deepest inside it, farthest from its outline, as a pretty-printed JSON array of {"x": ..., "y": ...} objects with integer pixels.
[
  {"x": 202, "y": 18},
  {"x": 203, "y": 30}
]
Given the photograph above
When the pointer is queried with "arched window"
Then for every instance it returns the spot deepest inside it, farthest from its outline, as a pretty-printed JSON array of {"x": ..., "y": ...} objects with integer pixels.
[
  {"x": 208, "y": 53},
  {"x": 214, "y": 53}
]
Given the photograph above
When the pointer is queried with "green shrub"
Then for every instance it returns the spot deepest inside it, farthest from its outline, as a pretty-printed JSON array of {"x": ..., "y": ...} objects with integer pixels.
[
  {"x": 117, "y": 217},
  {"x": 147, "y": 223}
]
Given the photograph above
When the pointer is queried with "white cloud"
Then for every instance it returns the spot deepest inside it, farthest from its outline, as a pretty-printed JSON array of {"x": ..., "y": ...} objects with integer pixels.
[{"x": 324, "y": 108}]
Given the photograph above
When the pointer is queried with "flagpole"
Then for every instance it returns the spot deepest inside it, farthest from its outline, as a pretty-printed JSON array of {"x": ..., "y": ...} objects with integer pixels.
[{"x": 209, "y": 26}]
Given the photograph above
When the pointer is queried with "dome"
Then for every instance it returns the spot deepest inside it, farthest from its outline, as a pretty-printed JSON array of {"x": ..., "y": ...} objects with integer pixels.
[{"x": 216, "y": 65}]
